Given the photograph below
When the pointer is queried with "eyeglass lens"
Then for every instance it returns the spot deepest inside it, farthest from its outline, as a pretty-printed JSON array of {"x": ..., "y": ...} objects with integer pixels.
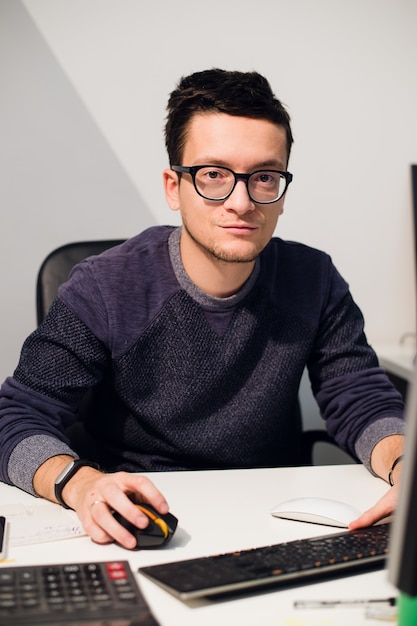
[{"x": 216, "y": 183}]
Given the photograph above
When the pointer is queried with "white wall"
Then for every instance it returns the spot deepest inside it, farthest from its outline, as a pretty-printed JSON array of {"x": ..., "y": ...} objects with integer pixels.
[{"x": 84, "y": 85}]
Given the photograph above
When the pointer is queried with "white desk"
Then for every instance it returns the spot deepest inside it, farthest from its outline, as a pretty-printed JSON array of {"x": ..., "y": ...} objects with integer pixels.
[{"x": 220, "y": 511}]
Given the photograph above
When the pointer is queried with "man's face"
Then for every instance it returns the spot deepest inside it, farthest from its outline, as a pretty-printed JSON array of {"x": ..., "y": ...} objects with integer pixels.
[{"x": 237, "y": 229}]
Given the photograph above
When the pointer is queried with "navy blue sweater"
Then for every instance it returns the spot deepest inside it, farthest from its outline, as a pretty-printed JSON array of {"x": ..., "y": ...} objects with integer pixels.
[{"x": 183, "y": 380}]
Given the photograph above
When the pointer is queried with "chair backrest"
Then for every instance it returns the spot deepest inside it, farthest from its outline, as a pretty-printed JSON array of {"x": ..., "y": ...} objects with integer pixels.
[{"x": 58, "y": 264}]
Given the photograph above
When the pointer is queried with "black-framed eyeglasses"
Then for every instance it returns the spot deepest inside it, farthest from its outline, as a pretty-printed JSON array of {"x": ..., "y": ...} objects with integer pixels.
[{"x": 217, "y": 183}]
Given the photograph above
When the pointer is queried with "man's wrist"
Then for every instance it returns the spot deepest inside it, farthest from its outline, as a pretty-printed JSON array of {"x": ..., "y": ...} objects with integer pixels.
[
  {"x": 66, "y": 475},
  {"x": 45, "y": 475},
  {"x": 384, "y": 454}
]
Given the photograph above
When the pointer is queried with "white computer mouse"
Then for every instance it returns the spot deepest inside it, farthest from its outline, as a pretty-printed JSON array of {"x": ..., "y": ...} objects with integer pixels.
[{"x": 317, "y": 511}]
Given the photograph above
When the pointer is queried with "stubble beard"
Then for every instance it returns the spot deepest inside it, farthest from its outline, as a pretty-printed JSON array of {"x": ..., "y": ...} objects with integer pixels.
[{"x": 219, "y": 254}]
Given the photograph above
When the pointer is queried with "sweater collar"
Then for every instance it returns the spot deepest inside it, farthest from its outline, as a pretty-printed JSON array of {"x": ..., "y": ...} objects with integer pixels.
[{"x": 195, "y": 292}]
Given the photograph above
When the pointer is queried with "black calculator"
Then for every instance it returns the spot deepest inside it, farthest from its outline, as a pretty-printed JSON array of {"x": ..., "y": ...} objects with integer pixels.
[{"x": 74, "y": 594}]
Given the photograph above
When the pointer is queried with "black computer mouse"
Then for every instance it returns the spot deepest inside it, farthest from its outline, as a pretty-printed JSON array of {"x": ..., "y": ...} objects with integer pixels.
[{"x": 159, "y": 531}]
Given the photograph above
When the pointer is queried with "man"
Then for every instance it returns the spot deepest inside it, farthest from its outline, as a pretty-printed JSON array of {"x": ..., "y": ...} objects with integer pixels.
[{"x": 194, "y": 339}]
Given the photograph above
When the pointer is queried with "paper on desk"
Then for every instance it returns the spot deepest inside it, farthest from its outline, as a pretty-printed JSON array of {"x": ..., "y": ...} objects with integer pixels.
[{"x": 40, "y": 522}]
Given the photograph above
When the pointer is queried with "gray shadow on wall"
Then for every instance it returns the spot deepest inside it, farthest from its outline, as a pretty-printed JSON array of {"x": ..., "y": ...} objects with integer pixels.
[{"x": 56, "y": 165}]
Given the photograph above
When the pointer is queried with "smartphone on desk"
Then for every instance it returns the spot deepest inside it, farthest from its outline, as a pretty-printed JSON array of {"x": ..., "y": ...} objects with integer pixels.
[{"x": 3, "y": 539}]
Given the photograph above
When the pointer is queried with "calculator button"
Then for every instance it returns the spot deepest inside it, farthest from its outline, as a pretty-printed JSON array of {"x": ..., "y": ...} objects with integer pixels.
[
  {"x": 5, "y": 578},
  {"x": 8, "y": 603}
]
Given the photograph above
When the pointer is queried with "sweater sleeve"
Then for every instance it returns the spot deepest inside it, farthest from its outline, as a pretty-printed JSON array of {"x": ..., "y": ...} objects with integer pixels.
[
  {"x": 60, "y": 360},
  {"x": 357, "y": 400},
  {"x": 361, "y": 409}
]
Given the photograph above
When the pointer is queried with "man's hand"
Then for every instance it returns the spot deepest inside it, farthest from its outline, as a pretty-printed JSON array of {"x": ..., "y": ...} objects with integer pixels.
[
  {"x": 98, "y": 494},
  {"x": 93, "y": 495},
  {"x": 383, "y": 508},
  {"x": 382, "y": 459}
]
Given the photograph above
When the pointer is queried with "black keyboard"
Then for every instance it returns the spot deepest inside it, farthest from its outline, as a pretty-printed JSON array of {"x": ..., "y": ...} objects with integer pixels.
[
  {"x": 300, "y": 561},
  {"x": 74, "y": 593}
]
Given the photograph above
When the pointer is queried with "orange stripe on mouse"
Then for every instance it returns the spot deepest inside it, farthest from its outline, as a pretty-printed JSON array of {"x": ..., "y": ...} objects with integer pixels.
[{"x": 161, "y": 523}]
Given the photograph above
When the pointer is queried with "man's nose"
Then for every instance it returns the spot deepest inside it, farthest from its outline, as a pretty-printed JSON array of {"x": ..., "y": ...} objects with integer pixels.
[{"x": 239, "y": 199}]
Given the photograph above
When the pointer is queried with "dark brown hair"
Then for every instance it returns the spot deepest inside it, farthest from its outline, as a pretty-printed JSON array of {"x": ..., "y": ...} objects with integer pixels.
[{"x": 246, "y": 94}]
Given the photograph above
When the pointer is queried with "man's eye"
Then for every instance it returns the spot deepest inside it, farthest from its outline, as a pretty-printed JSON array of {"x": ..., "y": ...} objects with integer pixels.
[
  {"x": 266, "y": 179},
  {"x": 214, "y": 175}
]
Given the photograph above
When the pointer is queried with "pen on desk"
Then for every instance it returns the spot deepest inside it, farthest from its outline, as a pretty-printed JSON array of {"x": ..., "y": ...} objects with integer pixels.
[{"x": 322, "y": 604}]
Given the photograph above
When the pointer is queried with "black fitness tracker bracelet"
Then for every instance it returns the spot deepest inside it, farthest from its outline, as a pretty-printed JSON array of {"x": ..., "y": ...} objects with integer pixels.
[
  {"x": 394, "y": 465},
  {"x": 66, "y": 475}
]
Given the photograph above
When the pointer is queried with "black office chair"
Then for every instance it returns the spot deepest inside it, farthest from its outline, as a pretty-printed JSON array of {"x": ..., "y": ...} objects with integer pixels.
[
  {"x": 317, "y": 444},
  {"x": 55, "y": 270},
  {"x": 56, "y": 267}
]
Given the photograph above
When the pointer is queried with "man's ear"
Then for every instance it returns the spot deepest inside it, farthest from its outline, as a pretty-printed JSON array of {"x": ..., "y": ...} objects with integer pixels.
[{"x": 171, "y": 188}]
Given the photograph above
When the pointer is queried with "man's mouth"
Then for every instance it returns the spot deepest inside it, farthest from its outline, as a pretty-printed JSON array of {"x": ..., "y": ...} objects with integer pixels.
[{"x": 239, "y": 228}]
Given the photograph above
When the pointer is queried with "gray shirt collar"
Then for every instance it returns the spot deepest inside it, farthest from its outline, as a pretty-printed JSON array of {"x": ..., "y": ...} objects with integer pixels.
[{"x": 195, "y": 292}]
